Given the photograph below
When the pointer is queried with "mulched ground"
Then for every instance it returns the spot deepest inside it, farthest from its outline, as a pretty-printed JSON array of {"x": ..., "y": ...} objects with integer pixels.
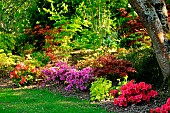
[{"x": 108, "y": 104}]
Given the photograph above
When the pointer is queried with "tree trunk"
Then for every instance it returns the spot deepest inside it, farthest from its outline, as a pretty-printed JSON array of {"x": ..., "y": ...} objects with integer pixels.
[{"x": 154, "y": 16}]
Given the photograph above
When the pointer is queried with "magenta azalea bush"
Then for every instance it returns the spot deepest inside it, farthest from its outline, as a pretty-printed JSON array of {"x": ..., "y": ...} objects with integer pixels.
[
  {"x": 163, "y": 109},
  {"x": 65, "y": 74},
  {"x": 134, "y": 93}
]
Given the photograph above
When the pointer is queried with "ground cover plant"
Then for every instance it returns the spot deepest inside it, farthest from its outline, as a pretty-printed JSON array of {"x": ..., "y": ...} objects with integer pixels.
[{"x": 43, "y": 101}]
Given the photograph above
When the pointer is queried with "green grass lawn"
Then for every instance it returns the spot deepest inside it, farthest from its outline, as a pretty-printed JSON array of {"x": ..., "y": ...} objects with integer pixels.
[{"x": 43, "y": 101}]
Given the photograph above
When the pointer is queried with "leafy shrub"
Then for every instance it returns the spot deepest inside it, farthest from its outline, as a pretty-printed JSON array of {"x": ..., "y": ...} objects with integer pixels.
[
  {"x": 85, "y": 61},
  {"x": 146, "y": 65},
  {"x": 32, "y": 39},
  {"x": 33, "y": 62},
  {"x": 19, "y": 16},
  {"x": 73, "y": 78},
  {"x": 7, "y": 62},
  {"x": 40, "y": 57},
  {"x": 7, "y": 42},
  {"x": 121, "y": 81},
  {"x": 100, "y": 89},
  {"x": 163, "y": 109},
  {"x": 112, "y": 68},
  {"x": 23, "y": 75},
  {"x": 135, "y": 93}
]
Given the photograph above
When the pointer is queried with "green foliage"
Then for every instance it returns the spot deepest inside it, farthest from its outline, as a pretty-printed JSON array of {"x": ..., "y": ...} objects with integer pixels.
[
  {"x": 121, "y": 81},
  {"x": 17, "y": 15},
  {"x": 7, "y": 42},
  {"x": 75, "y": 30},
  {"x": 168, "y": 1},
  {"x": 100, "y": 89},
  {"x": 7, "y": 62},
  {"x": 40, "y": 57},
  {"x": 146, "y": 65},
  {"x": 36, "y": 59},
  {"x": 131, "y": 41},
  {"x": 88, "y": 24}
]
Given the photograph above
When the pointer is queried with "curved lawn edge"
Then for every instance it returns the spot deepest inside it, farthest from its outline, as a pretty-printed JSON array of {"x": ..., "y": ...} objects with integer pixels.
[{"x": 43, "y": 101}]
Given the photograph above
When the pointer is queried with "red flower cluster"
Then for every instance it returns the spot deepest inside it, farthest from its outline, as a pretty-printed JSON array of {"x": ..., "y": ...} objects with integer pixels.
[
  {"x": 135, "y": 93},
  {"x": 114, "y": 92},
  {"x": 163, "y": 109},
  {"x": 22, "y": 74}
]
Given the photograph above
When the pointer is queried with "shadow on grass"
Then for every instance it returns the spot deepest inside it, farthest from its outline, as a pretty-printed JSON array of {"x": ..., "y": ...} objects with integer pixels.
[{"x": 43, "y": 101}]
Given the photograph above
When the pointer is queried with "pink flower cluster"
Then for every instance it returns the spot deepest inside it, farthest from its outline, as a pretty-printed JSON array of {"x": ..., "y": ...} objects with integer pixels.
[
  {"x": 163, "y": 109},
  {"x": 70, "y": 76},
  {"x": 135, "y": 93}
]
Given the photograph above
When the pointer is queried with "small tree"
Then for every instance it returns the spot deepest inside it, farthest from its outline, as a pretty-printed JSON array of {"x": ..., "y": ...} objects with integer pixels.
[{"x": 153, "y": 14}]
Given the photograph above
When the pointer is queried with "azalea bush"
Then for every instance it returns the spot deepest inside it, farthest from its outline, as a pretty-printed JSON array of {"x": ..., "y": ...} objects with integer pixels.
[
  {"x": 23, "y": 75},
  {"x": 70, "y": 76},
  {"x": 134, "y": 93},
  {"x": 115, "y": 91},
  {"x": 165, "y": 108}
]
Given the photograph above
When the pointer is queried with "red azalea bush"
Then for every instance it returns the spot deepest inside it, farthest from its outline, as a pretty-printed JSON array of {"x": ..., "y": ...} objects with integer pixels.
[
  {"x": 114, "y": 92},
  {"x": 163, "y": 109},
  {"x": 135, "y": 93},
  {"x": 23, "y": 75}
]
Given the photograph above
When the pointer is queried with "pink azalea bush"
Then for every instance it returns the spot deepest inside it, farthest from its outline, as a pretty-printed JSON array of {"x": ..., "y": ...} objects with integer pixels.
[
  {"x": 165, "y": 108},
  {"x": 70, "y": 76},
  {"x": 134, "y": 93}
]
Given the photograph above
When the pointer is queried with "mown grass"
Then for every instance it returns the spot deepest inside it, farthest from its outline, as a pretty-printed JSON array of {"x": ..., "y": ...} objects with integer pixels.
[{"x": 43, "y": 101}]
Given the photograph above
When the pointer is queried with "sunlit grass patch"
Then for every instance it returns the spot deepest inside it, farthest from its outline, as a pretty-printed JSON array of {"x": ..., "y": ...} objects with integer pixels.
[{"x": 43, "y": 101}]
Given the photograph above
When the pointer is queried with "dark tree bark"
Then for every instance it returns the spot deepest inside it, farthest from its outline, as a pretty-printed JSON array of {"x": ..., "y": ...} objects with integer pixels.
[{"x": 154, "y": 16}]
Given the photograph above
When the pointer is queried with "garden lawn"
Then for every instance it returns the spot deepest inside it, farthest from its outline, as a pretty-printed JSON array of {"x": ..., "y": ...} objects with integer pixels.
[{"x": 43, "y": 101}]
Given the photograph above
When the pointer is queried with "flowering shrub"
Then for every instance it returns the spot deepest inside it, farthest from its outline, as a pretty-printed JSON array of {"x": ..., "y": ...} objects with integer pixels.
[
  {"x": 73, "y": 78},
  {"x": 55, "y": 75},
  {"x": 163, "y": 109},
  {"x": 115, "y": 91},
  {"x": 135, "y": 93},
  {"x": 23, "y": 75}
]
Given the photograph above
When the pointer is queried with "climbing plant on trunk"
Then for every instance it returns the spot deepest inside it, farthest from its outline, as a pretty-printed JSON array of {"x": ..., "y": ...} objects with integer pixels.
[{"x": 153, "y": 14}]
